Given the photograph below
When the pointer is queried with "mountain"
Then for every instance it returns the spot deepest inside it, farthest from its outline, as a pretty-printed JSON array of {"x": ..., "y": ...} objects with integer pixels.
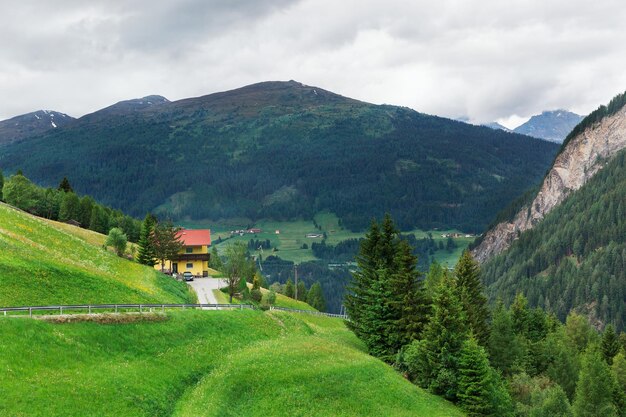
[
  {"x": 284, "y": 150},
  {"x": 564, "y": 245},
  {"x": 31, "y": 124},
  {"x": 550, "y": 125},
  {"x": 497, "y": 126}
]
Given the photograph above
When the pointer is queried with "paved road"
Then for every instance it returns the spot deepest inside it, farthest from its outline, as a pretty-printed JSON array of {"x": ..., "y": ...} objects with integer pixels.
[{"x": 204, "y": 288}]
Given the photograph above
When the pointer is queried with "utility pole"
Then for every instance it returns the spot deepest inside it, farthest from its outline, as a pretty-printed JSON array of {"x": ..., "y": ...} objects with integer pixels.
[{"x": 295, "y": 267}]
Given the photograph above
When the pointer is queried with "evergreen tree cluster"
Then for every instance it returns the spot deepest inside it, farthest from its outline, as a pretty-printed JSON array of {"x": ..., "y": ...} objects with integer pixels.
[
  {"x": 509, "y": 361},
  {"x": 64, "y": 205}
]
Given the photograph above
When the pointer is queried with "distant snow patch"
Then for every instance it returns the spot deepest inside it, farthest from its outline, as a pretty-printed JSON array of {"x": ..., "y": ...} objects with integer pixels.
[
  {"x": 38, "y": 118},
  {"x": 52, "y": 123}
]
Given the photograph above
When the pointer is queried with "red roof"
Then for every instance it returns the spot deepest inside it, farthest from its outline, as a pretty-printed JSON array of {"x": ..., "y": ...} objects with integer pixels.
[{"x": 198, "y": 237}]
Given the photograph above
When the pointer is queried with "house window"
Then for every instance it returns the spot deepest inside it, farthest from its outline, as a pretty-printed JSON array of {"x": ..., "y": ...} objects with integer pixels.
[
  {"x": 189, "y": 265},
  {"x": 189, "y": 250}
]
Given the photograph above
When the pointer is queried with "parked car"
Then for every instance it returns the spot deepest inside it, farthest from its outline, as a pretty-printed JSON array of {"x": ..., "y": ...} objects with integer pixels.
[{"x": 188, "y": 276}]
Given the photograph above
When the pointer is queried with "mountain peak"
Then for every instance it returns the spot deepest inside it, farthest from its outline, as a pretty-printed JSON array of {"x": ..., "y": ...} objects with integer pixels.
[
  {"x": 31, "y": 124},
  {"x": 552, "y": 125}
]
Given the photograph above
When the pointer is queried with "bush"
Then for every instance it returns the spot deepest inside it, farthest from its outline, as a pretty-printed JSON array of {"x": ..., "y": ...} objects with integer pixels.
[
  {"x": 271, "y": 298},
  {"x": 256, "y": 295}
]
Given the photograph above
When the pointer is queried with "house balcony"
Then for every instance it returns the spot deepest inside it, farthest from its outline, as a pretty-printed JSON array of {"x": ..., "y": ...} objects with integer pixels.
[{"x": 183, "y": 257}]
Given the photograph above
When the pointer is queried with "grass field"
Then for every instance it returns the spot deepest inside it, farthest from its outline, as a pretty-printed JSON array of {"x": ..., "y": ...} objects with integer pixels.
[
  {"x": 293, "y": 235},
  {"x": 43, "y": 262},
  {"x": 201, "y": 363}
]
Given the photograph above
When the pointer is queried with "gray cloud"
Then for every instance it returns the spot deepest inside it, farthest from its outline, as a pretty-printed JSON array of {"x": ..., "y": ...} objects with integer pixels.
[{"x": 485, "y": 59}]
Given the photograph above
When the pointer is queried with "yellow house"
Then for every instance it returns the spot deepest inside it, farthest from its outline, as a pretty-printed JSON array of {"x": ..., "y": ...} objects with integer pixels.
[{"x": 194, "y": 257}]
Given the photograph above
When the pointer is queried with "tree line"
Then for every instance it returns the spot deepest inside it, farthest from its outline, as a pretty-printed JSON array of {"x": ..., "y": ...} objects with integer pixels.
[
  {"x": 507, "y": 361},
  {"x": 63, "y": 204}
]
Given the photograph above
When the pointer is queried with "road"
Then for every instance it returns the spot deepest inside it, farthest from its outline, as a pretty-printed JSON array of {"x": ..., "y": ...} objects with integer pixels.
[{"x": 204, "y": 288}]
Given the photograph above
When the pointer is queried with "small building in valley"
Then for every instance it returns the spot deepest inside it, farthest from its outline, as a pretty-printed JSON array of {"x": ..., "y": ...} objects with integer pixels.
[{"x": 194, "y": 256}]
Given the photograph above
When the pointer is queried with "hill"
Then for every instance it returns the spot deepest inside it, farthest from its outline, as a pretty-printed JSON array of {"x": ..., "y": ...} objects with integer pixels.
[
  {"x": 284, "y": 151},
  {"x": 31, "y": 124},
  {"x": 201, "y": 363},
  {"x": 564, "y": 248},
  {"x": 44, "y": 262},
  {"x": 552, "y": 125}
]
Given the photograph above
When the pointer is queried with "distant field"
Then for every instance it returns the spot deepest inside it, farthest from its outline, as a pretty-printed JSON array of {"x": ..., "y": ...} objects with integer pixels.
[
  {"x": 44, "y": 262},
  {"x": 293, "y": 235},
  {"x": 201, "y": 363}
]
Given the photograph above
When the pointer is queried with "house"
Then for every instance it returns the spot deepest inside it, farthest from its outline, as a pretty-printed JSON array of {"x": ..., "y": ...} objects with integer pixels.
[{"x": 194, "y": 256}]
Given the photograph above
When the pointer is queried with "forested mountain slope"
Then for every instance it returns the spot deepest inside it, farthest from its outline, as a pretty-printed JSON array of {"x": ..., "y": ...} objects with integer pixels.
[
  {"x": 576, "y": 256},
  {"x": 585, "y": 151},
  {"x": 284, "y": 150}
]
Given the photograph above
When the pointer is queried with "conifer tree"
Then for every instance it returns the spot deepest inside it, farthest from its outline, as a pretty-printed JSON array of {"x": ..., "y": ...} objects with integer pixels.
[
  {"x": 505, "y": 348},
  {"x": 289, "y": 289},
  {"x": 65, "y": 186},
  {"x": 434, "y": 361},
  {"x": 146, "y": 254},
  {"x": 610, "y": 344},
  {"x": 302, "y": 293},
  {"x": 474, "y": 379},
  {"x": 520, "y": 315},
  {"x": 166, "y": 241},
  {"x": 433, "y": 277},
  {"x": 619, "y": 370},
  {"x": 410, "y": 303},
  {"x": 594, "y": 391},
  {"x": 471, "y": 293},
  {"x": 315, "y": 297}
]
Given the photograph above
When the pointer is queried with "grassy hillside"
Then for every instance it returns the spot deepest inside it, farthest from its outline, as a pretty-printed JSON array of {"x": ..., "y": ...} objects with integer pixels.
[
  {"x": 283, "y": 151},
  {"x": 201, "y": 363},
  {"x": 44, "y": 262}
]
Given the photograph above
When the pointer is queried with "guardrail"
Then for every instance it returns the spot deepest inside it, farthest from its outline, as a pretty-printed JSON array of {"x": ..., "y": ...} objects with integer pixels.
[{"x": 116, "y": 308}]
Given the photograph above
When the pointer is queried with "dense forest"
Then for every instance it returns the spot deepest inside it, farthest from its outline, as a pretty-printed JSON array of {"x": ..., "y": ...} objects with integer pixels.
[
  {"x": 575, "y": 257},
  {"x": 285, "y": 151},
  {"x": 439, "y": 331}
]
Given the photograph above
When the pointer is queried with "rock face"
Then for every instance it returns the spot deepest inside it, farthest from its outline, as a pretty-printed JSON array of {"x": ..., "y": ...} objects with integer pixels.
[{"x": 581, "y": 158}]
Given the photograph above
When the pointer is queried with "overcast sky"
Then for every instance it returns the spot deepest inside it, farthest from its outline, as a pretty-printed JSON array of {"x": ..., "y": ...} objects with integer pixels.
[{"x": 482, "y": 59}]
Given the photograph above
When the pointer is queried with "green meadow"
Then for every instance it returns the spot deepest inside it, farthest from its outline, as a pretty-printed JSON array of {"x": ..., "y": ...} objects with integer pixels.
[
  {"x": 292, "y": 236},
  {"x": 44, "y": 262},
  {"x": 201, "y": 363}
]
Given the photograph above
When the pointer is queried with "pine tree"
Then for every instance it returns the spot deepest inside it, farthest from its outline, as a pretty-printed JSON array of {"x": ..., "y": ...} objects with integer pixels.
[
  {"x": 65, "y": 186},
  {"x": 302, "y": 293},
  {"x": 434, "y": 361},
  {"x": 166, "y": 241},
  {"x": 471, "y": 293},
  {"x": 410, "y": 303},
  {"x": 289, "y": 289},
  {"x": 594, "y": 391},
  {"x": 146, "y": 254},
  {"x": 610, "y": 344},
  {"x": 315, "y": 297},
  {"x": 505, "y": 348},
  {"x": 474, "y": 379}
]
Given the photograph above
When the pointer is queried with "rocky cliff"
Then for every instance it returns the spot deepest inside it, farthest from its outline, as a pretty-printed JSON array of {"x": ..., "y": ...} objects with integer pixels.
[{"x": 582, "y": 157}]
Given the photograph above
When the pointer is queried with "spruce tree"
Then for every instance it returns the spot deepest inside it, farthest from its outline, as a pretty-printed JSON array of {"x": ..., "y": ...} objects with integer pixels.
[
  {"x": 471, "y": 293},
  {"x": 410, "y": 303},
  {"x": 610, "y": 344},
  {"x": 594, "y": 391},
  {"x": 474, "y": 379},
  {"x": 289, "y": 289},
  {"x": 65, "y": 186},
  {"x": 302, "y": 293},
  {"x": 166, "y": 241},
  {"x": 315, "y": 297},
  {"x": 505, "y": 348},
  {"x": 434, "y": 361},
  {"x": 146, "y": 254}
]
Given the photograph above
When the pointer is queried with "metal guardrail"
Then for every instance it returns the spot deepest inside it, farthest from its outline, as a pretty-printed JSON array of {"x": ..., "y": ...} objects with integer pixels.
[{"x": 90, "y": 308}]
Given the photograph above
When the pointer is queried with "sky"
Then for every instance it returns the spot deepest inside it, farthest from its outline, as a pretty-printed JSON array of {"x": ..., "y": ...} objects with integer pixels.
[{"x": 484, "y": 60}]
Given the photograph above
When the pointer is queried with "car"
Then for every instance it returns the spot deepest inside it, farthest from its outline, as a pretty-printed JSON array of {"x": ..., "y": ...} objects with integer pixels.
[{"x": 187, "y": 276}]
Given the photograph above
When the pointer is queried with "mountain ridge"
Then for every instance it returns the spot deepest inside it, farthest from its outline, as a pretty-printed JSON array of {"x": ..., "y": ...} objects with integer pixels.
[{"x": 31, "y": 124}]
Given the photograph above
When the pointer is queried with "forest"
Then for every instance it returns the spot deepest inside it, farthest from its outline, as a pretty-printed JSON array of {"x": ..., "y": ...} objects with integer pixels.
[{"x": 576, "y": 256}]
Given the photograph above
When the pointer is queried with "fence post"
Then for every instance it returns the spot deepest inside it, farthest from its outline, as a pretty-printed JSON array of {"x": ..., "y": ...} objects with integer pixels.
[
  {"x": 140, "y": 309},
  {"x": 30, "y": 312},
  {"x": 89, "y": 308},
  {"x": 163, "y": 308},
  {"x": 60, "y": 310},
  {"x": 115, "y": 308}
]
